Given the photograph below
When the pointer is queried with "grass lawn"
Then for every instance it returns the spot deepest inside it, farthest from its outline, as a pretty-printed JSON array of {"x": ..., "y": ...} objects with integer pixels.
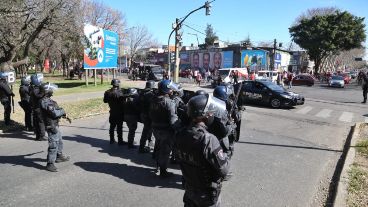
[{"x": 358, "y": 173}]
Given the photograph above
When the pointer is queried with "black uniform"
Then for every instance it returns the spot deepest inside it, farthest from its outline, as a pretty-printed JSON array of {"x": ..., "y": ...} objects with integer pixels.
[
  {"x": 5, "y": 96},
  {"x": 203, "y": 163},
  {"x": 145, "y": 100},
  {"x": 365, "y": 87},
  {"x": 51, "y": 114},
  {"x": 38, "y": 123},
  {"x": 25, "y": 103},
  {"x": 164, "y": 123},
  {"x": 131, "y": 116},
  {"x": 114, "y": 97}
]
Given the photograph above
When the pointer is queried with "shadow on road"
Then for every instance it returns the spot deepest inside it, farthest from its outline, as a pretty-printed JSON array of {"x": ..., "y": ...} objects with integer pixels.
[
  {"x": 132, "y": 174},
  {"x": 23, "y": 160},
  {"x": 291, "y": 146},
  {"x": 145, "y": 176}
]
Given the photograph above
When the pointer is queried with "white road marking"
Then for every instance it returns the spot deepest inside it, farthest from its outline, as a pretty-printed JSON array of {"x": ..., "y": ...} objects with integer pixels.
[
  {"x": 324, "y": 113},
  {"x": 346, "y": 117},
  {"x": 305, "y": 110},
  {"x": 366, "y": 120}
]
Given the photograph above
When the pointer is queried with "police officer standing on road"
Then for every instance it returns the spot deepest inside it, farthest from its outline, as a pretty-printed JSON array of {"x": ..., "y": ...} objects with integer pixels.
[
  {"x": 25, "y": 98},
  {"x": 145, "y": 100},
  {"x": 52, "y": 113},
  {"x": 5, "y": 97},
  {"x": 114, "y": 97},
  {"x": 203, "y": 163},
  {"x": 36, "y": 95},
  {"x": 131, "y": 113},
  {"x": 164, "y": 123}
]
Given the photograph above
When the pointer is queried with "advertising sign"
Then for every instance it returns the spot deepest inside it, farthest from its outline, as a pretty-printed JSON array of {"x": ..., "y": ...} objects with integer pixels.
[
  {"x": 100, "y": 48},
  {"x": 255, "y": 59},
  {"x": 210, "y": 61}
]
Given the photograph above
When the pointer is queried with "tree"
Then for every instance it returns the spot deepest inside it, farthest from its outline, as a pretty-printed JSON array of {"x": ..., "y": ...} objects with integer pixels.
[
  {"x": 326, "y": 34},
  {"x": 247, "y": 42},
  {"x": 210, "y": 36},
  {"x": 22, "y": 22},
  {"x": 137, "y": 38}
]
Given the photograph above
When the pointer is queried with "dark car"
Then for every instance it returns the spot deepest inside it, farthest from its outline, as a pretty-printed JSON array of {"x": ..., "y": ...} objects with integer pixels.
[
  {"x": 303, "y": 79},
  {"x": 268, "y": 93}
]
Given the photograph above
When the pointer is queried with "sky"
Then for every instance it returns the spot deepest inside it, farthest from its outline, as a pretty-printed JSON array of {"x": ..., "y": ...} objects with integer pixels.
[{"x": 232, "y": 20}]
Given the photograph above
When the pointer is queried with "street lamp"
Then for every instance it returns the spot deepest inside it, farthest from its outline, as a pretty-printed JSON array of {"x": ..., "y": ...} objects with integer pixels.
[
  {"x": 126, "y": 59},
  {"x": 176, "y": 27},
  {"x": 196, "y": 36}
]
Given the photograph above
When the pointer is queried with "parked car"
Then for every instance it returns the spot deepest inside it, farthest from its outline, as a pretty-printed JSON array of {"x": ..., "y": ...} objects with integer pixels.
[
  {"x": 303, "y": 79},
  {"x": 262, "y": 92},
  {"x": 353, "y": 74},
  {"x": 336, "y": 81}
]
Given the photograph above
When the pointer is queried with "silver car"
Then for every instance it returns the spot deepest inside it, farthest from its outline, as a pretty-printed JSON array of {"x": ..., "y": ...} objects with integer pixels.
[{"x": 336, "y": 81}]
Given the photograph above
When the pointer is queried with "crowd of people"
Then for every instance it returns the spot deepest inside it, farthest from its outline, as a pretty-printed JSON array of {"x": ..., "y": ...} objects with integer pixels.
[
  {"x": 42, "y": 114},
  {"x": 198, "y": 133}
]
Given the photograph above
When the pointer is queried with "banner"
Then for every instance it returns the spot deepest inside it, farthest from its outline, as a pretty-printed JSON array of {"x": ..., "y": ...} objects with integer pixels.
[
  {"x": 255, "y": 59},
  {"x": 228, "y": 59},
  {"x": 100, "y": 48},
  {"x": 210, "y": 61}
]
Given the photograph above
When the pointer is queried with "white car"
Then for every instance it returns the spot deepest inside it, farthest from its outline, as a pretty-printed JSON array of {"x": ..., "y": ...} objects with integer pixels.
[
  {"x": 267, "y": 74},
  {"x": 336, "y": 81}
]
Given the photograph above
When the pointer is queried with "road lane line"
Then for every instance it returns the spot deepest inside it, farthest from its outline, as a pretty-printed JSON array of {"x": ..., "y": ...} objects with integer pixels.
[
  {"x": 324, "y": 113},
  {"x": 346, "y": 117},
  {"x": 305, "y": 110},
  {"x": 366, "y": 120}
]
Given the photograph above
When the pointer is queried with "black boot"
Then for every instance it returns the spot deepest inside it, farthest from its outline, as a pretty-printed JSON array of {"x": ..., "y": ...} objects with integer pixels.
[{"x": 51, "y": 167}]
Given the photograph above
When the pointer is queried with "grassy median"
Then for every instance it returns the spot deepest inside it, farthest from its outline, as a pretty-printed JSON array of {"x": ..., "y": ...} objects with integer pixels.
[{"x": 358, "y": 173}]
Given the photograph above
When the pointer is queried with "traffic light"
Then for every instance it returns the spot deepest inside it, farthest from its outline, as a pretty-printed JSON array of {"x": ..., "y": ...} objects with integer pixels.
[
  {"x": 172, "y": 57},
  {"x": 358, "y": 59},
  {"x": 208, "y": 6}
]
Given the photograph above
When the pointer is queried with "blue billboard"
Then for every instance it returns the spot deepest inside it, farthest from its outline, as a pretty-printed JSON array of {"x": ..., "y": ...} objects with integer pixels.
[
  {"x": 255, "y": 59},
  {"x": 100, "y": 48},
  {"x": 228, "y": 59}
]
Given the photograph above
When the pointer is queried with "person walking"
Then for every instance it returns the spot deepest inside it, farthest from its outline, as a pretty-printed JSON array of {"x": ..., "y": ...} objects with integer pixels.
[
  {"x": 36, "y": 94},
  {"x": 164, "y": 123},
  {"x": 131, "y": 114},
  {"x": 203, "y": 163},
  {"x": 364, "y": 87}
]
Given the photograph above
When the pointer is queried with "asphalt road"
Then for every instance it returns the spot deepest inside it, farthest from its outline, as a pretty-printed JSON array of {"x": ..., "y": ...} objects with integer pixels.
[{"x": 285, "y": 157}]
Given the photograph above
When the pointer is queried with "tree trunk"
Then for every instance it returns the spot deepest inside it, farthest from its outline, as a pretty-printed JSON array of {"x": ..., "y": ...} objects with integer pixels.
[{"x": 317, "y": 63}]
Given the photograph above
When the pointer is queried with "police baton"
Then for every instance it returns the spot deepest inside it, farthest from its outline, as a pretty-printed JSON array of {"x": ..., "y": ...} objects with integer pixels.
[{"x": 12, "y": 97}]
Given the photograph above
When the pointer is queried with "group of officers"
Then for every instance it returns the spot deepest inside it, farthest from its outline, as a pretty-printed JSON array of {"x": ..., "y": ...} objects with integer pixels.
[
  {"x": 198, "y": 133},
  {"x": 42, "y": 114}
]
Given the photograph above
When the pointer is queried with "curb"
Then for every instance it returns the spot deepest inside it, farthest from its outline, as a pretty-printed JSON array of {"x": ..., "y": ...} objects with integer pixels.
[{"x": 342, "y": 185}]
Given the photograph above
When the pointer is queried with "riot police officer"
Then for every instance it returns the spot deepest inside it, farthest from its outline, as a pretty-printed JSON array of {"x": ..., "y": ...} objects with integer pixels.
[
  {"x": 364, "y": 86},
  {"x": 203, "y": 163},
  {"x": 164, "y": 123},
  {"x": 51, "y": 114},
  {"x": 131, "y": 113},
  {"x": 5, "y": 97},
  {"x": 36, "y": 94},
  {"x": 145, "y": 100},
  {"x": 24, "y": 92},
  {"x": 114, "y": 97}
]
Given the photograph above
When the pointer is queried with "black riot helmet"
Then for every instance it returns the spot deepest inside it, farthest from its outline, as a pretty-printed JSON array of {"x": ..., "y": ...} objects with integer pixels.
[
  {"x": 3, "y": 76},
  {"x": 49, "y": 88},
  {"x": 205, "y": 106},
  {"x": 200, "y": 92},
  {"x": 36, "y": 79},
  {"x": 131, "y": 92},
  {"x": 115, "y": 82},
  {"x": 25, "y": 81},
  {"x": 150, "y": 84}
]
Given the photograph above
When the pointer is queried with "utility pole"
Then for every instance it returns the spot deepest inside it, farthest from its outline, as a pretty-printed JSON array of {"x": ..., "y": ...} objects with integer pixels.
[{"x": 272, "y": 62}]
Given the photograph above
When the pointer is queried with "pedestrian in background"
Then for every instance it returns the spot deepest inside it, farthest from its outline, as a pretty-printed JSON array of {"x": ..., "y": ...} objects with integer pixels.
[
  {"x": 364, "y": 86},
  {"x": 199, "y": 79}
]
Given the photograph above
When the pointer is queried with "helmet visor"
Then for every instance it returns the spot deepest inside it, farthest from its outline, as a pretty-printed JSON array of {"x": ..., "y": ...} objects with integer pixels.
[
  {"x": 215, "y": 106},
  {"x": 51, "y": 87},
  {"x": 173, "y": 86},
  {"x": 40, "y": 77}
]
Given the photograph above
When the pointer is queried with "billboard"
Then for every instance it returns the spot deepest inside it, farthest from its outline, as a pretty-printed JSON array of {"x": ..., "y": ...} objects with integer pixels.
[
  {"x": 100, "y": 48},
  {"x": 210, "y": 61},
  {"x": 254, "y": 59}
]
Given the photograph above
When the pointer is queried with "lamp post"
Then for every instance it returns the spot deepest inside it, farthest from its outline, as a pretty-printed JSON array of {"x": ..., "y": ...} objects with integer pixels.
[
  {"x": 196, "y": 36},
  {"x": 176, "y": 27}
]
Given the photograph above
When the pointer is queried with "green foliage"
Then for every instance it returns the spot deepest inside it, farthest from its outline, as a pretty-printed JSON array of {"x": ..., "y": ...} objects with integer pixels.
[
  {"x": 358, "y": 186},
  {"x": 322, "y": 35},
  {"x": 210, "y": 35},
  {"x": 362, "y": 147}
]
